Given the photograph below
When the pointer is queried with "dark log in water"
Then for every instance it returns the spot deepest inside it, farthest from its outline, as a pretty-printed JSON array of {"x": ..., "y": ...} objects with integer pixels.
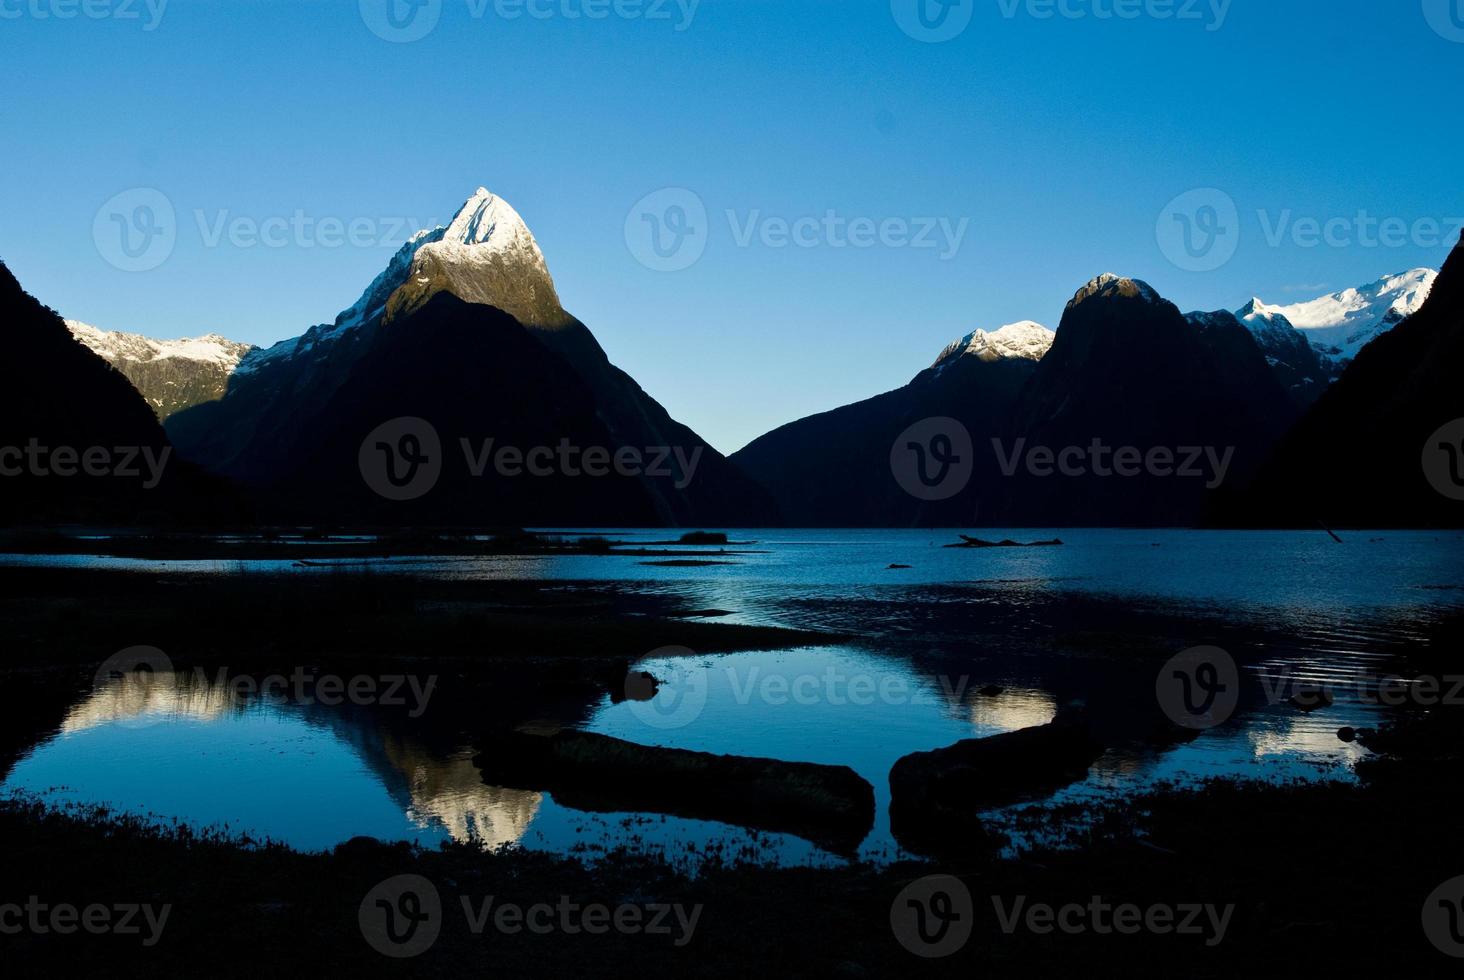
[
  {"x": 969, "y": 542},
  {"x": 829, "y": 805},
  {"x": 935, "y": 796}
]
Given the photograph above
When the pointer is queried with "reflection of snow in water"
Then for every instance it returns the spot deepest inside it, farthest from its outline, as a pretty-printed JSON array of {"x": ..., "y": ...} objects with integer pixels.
[
  {"x": 450, "y": 793},
  {"x": 1010, "y": 710},
  {"x": 1308, "y": 737},
  {"x": 151, "y": 697},
  {"x": 442, "y": 795}
]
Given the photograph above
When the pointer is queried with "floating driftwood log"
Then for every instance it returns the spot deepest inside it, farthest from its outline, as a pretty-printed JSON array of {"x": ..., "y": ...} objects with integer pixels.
[
  {"x": 935, "y": 796},
  {"x": 830, "y": 805},
  {"x": 969, "y": 542}
]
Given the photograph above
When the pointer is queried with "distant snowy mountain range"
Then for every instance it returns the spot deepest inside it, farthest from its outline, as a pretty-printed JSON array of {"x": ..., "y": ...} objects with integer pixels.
[
  {"x": 1341, "y": 324},
  {"x": 1307, "y": 344},
  {"x": 171, "y": 374},
  {"x": 487, "y": 254}
]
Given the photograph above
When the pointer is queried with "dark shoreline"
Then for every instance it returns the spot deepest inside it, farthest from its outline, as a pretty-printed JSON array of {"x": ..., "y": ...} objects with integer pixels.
[
  {"x": 1305, "y": 868},
  {"x": 1309, "y": 869}
]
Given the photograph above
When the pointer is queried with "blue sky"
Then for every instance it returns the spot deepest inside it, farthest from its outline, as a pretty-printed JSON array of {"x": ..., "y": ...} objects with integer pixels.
[{"x": 1054, "y": 145}]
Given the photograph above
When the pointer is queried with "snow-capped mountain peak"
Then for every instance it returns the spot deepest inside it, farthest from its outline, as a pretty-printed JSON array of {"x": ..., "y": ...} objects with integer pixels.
[
  {"x": 1024, "y": 340},
  {"x": 1263, "y": 320},
  {"x": 487, "y": 255},
  {"x": 1340, "y": 324},
  {"x": 487, "y": 219},
  {"x": 485, "y": 230}
]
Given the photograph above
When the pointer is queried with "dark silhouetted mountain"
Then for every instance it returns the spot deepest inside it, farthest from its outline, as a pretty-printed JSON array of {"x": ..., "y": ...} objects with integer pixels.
[
  {"x": 834, "y": 469},
  {"x": 77, "y": 441},
  {"x": 1356, "y": 458},
  {"x": 1127, "y": 372},
  {"x": 464, "y": 330}
]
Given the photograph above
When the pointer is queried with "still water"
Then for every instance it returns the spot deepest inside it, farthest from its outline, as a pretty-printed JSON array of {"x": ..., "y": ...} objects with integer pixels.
[{"x": 926, "y": 640}]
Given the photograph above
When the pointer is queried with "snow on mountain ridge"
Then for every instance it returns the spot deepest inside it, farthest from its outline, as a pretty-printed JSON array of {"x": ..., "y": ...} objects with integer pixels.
[
  {"x": 485, "y": 225},
  {"x": 1025, "y": 339},
  {"x": 478, "y": 252},
  {"x": 1340, "y": 324},
  {"x": 113, "y": 345}
]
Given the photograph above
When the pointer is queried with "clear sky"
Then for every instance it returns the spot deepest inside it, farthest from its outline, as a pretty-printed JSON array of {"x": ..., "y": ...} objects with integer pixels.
[{"x": 1056, "y": 135}]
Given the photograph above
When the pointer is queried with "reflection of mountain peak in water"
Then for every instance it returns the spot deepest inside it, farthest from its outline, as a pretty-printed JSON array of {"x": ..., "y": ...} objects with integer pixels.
[
  {"x": 433, "y": 789},
  {"x": 451, "y": 792},
  {"x": 167, "y": 696}
]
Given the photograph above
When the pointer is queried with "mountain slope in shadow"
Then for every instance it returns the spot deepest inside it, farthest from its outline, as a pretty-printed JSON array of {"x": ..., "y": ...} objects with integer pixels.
[
  {"x": 834, "y": 470},
  {"x": 465, "y": 331},
  {"x": 1356, "y": 459},
  {"x": 63, "y": 400}
]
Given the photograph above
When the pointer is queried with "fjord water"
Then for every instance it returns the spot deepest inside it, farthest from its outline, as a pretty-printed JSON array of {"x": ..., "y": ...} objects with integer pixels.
[{"x": 1045, "y": 625}]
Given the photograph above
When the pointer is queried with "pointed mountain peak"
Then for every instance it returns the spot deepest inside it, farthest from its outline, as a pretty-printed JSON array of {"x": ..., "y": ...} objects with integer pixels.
[
  {"x": 1023, "y": 340},
  {"x": 487, "y": 219},
  {"x": 485, "y": 254}
]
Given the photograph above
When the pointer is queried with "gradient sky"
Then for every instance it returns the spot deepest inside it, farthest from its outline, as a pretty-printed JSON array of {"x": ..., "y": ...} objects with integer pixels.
[{"x": 1060, "y": 140}]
